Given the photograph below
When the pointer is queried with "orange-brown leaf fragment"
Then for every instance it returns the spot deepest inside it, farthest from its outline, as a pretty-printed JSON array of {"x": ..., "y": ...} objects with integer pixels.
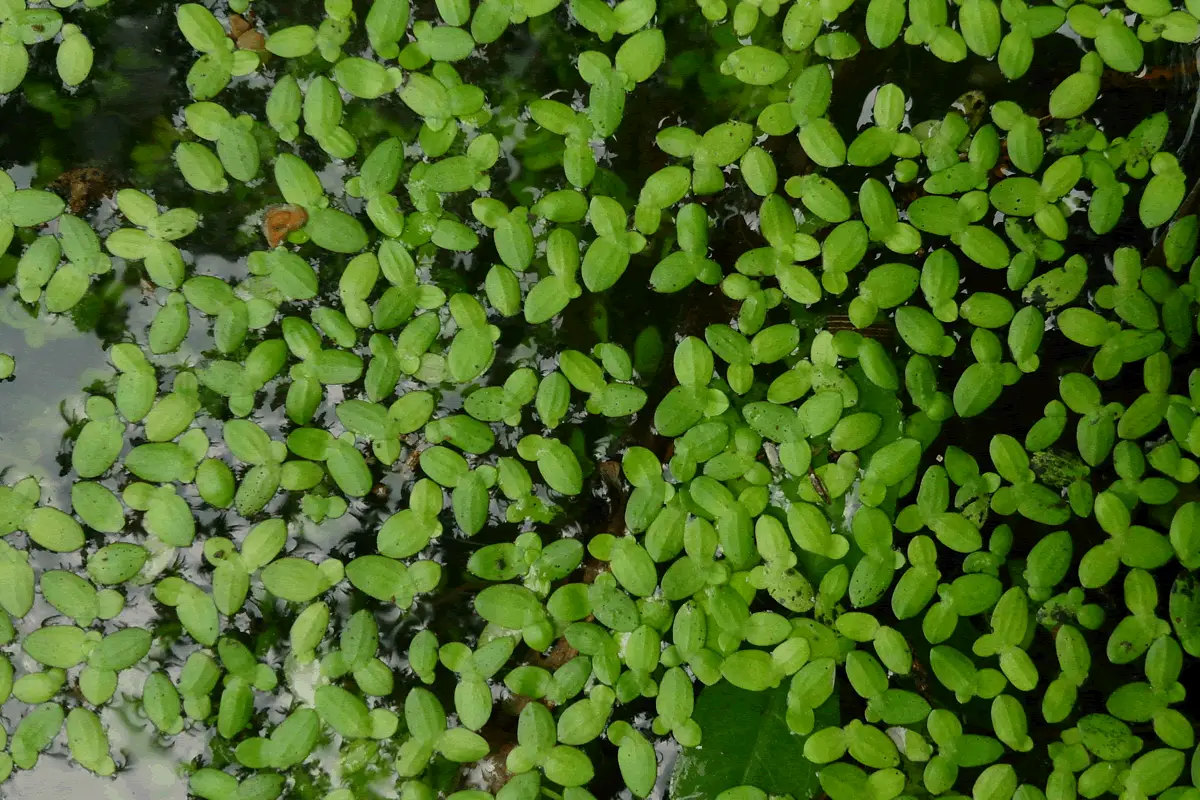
[
  {"x": 252, "y": 40},
  {"x": 281, "y": 220},
  {"x": 238, "y": 25}
]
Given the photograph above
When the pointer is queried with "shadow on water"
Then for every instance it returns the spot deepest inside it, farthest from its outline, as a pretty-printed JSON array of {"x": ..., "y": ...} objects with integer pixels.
[{"x": 123, "y": 123}]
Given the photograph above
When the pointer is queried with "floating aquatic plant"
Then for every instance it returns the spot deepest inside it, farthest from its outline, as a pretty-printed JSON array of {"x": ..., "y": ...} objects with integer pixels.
[{"x": 828, "y": 565}]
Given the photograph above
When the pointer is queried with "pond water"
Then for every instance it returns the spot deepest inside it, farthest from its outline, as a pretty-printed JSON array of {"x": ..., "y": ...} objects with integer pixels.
[{"x": 123, "y": 123}]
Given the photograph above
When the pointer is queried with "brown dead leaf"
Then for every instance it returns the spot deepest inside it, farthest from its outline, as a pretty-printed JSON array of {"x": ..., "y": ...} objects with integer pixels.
[
  {"x": 238, "y": 25},
  {"x": 252, "y": 40},
  {"x": 281, "y": 220},
  {"x": 82, "y": 187}
]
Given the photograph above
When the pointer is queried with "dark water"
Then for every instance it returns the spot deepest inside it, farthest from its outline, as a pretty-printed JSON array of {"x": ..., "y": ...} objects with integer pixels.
[{"x": 123, "y": 121}]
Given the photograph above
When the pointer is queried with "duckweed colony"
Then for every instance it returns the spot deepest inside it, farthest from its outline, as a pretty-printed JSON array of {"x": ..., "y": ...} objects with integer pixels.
[{"x": 573, "y": 400}]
